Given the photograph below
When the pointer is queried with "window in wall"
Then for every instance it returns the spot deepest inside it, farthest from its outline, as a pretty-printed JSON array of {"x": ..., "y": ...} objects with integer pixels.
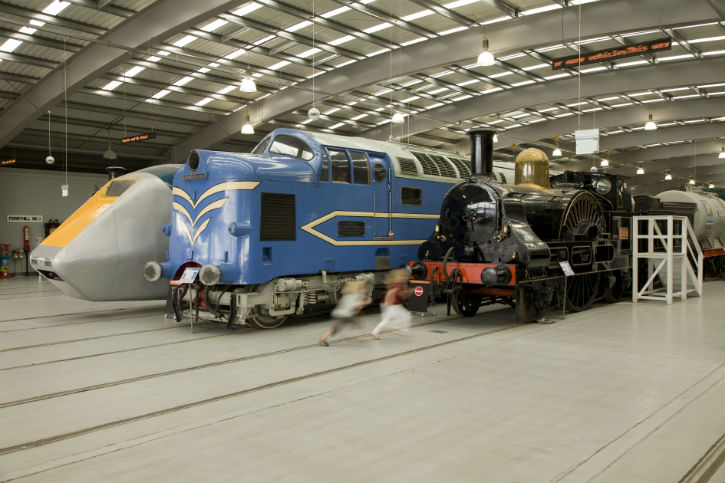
[
  {"x": 340, "y": 166},
  {"x": 291, "y": 146},
  {"x": 360, "y": 170},
  {"x": 379, "y": 173},
  {"x": 411, "y": 196}
]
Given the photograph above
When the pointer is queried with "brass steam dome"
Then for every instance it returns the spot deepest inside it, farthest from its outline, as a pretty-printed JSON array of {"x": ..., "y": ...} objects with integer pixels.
[{"x": 532, "y": 168}]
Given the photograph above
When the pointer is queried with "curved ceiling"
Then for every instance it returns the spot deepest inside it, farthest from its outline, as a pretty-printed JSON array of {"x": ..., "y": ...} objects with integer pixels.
[{"x": 78, "y": 76}]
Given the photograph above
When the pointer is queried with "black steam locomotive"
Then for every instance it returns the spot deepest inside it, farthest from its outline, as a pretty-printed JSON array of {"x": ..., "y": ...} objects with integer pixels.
[{"x": 501, "y": 243}]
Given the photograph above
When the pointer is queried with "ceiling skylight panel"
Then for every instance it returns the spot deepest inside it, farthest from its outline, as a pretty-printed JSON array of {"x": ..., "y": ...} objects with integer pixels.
[
  {"x": 451, "y": 31},
  {"x": 111, "y": 85},
  {"x": 204, "y": 101},
  {"x": 536, "y": 67},
  {"x": 28, "y": 30},
  {"x": 556, "y": 76},
  {"x": 264, "y": 40},
  {"x": 161, "y": 94},
  {"x": 298, "y": 26},
  {"x": 279, "y": 65},
  {"x": 335, "y": 126},
  {"x": 468, "y": 82},
  {"x": 10, "y": 45},
  {"x": 707, "y": 39},
  {"x": 249, "y": 8},
  {"x": 183, "y": 81},
  {"x": 545, "y": 8},
  {"x": 635, "y": 62},
  {"x": 225, "y": 90},
  {"x": 414, "y": 41},
  {"x": 210, "y": 27},
  {"x": 133, "y": 71},
  {"x": 55, "y": 8},
  {"x": 37, "y": 23},
  {"x": 675, "y": 57},
  {"x": 523, "y": 83},
  {"x": 714, "y": 52},
  {"x": 378, "y": 27},
  {"x": 410, "y": 99},
  {"x": 593, "y": 69},
  {"x": 184, "y": 41},
  {"x": 308, "y": 53},
  {"x": 341, "y": 40},
  {"x": 458, "y": 3},
  {"x": 377, "y": 52},
  {"x": 415, "y": 16},
  {"x": 335, "y": 12},
  {"x": 438, "y": 91}
]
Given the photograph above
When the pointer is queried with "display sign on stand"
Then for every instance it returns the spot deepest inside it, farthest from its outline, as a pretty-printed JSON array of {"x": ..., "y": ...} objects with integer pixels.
[{"x": 568, "y": 272}]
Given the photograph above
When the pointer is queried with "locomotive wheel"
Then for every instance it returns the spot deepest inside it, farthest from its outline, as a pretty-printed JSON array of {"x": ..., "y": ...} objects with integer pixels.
[
  {"x": 466, "y": 304},
  {"x": 526, "y": 305},
  {"x": 261, "y": 319},
  {"x": 581, "y": 291}
]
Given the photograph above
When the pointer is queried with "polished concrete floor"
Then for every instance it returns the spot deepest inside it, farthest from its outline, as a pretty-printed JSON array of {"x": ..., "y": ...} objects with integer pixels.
[{"x": 115, "y": 392}]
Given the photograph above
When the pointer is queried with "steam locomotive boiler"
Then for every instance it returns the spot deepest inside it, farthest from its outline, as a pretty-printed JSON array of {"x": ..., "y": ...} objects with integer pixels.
[{"x": 501, "y": 243}]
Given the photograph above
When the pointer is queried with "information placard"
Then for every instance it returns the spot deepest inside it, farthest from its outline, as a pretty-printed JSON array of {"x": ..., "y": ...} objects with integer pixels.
[
  {"x": 189, "y": 275},
  {"x": 565, "y": 267}
]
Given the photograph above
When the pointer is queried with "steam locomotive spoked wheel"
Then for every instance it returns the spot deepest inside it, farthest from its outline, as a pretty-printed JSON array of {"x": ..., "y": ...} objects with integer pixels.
[
  {"x": 583, "y": 222},
  {"x": 261, "y": 318},
  {"x": 581, "y": 290}
]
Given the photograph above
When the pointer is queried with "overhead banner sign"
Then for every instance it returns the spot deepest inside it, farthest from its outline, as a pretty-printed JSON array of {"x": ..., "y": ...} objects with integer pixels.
[
  {"x": 138, "y": 137},
  {"x": 612, "y": 54},
  {"x": 25, "y": 218}
]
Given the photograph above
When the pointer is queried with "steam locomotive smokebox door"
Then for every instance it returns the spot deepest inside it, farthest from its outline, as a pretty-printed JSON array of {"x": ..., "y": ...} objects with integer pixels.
[{"x": 418, "y": 300}]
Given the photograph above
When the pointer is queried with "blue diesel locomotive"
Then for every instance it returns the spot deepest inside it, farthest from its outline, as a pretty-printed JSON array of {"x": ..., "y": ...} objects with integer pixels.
[{"x": 276, "y": 231}]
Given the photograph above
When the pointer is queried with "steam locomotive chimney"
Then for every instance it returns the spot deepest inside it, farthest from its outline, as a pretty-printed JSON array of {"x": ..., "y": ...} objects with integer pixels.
[
  {"x": 115, "y": 171},
  {"x": 481, "y": 151}
]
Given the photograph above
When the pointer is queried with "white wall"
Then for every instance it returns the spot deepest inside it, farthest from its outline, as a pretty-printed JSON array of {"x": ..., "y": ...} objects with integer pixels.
[{"x": 37, "y": 192}]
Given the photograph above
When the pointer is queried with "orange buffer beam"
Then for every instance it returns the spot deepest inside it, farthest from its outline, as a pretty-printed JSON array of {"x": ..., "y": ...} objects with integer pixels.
[{"x": 471, "y": 272}]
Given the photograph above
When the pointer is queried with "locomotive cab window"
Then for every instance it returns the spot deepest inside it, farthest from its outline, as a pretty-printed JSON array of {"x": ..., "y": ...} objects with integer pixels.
[
  {"x": 325, "y": 169},
  {"x": 411, "y": 196},
  {"x": 340, "y": 166},
  {"x": 117, "y": 187},
  {"x": 379, "y": 173},
  {"x": 291, "y": 146},
  {"x": 261, "y": 147},
  {"x": 360, "y": 170}
]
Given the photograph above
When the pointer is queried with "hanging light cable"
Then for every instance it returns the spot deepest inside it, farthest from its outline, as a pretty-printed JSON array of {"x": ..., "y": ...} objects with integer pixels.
[
  {"x": 650, "y": 125},
  {"x": 556, "y": 152},
  {"x": 49, "y": 159},
  {"x": 313, "y": 113},
  {"x": 247, "y": 127}
]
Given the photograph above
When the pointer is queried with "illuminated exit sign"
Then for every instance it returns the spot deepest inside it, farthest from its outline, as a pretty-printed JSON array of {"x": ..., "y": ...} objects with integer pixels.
[
  {"x": 612, "y": 54},
  {"x": 138, "y": 137}
]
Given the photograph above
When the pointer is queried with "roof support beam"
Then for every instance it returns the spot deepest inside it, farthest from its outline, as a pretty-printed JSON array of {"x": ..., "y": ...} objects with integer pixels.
[
  {"x": 462, "y": 47},
  {"x": 162, "y": 19},
  {"x": 596, "y": 84}
]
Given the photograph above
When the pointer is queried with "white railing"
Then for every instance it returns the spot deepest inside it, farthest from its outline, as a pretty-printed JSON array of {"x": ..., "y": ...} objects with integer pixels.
[{"x": 673, "y": 258}]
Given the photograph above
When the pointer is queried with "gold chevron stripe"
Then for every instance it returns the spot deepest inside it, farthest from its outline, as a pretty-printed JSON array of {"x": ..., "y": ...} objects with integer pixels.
[
  {"x": 228, "y": 186},
  {"x": 186, "y": 231},
  {"x": 309, "y": 228},
  {"x": 209, "y": 207},
  {"x": 182, "y": 210},
  {"x": 198, "y": 232}
]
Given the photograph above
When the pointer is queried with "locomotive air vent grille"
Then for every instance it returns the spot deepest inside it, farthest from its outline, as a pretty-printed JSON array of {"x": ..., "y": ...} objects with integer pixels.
[
  {"x": 444, "y": 166},
  {"x": 429, "y": 167},
  {"x": 277, "y": 217},
  {"x": 408, "y": 166},
  {"x": 463, "y": 169}
]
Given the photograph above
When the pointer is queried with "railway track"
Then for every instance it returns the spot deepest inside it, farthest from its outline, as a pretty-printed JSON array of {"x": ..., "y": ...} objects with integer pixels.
[{"x": 232, "y": 394}]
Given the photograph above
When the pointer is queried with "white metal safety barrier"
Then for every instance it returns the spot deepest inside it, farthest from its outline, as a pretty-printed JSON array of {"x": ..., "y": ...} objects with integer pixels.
[{"x": 667, "y": 248}]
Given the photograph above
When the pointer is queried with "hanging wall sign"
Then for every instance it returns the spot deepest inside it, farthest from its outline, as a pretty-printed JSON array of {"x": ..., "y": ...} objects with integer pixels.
[
  {"x": 25, "y": 218},
  {"x": 7, "y": 161},
  {"x": 613, "y": 54},
  {"x": 138, "y": 137}
]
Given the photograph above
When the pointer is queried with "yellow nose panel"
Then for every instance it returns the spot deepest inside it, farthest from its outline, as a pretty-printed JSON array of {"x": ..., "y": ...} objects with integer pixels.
[{"x": 80, "y": 219}]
